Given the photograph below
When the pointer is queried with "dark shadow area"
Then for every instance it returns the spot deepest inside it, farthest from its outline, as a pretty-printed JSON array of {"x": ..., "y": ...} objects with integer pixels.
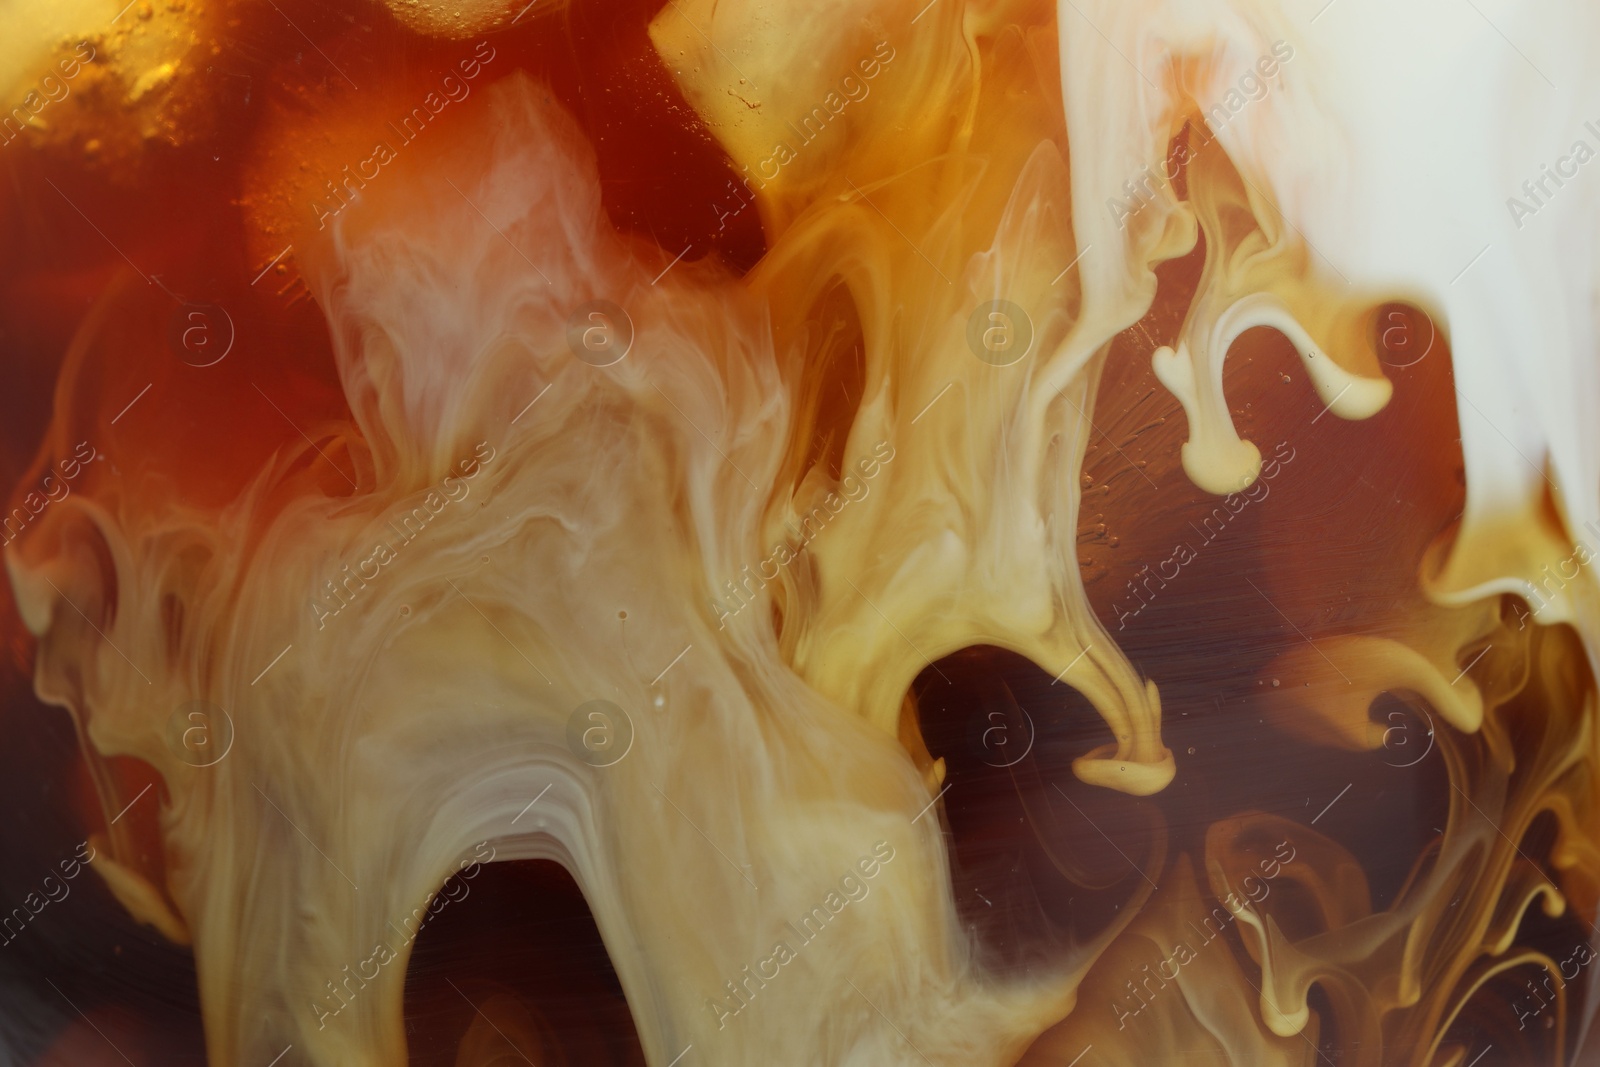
[
  {"x": 81, "y": 983},
  {"x": 515, "y": 967},
  {"x": 1039, "y": 861}
]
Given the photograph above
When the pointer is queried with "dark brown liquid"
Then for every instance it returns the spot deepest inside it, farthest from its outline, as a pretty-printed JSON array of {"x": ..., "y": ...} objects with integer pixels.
[{"x": 521, "y": 937}]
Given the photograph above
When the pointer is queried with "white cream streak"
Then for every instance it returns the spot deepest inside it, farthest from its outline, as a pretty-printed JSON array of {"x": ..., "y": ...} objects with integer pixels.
[{"x": 1390, "y": 149}]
